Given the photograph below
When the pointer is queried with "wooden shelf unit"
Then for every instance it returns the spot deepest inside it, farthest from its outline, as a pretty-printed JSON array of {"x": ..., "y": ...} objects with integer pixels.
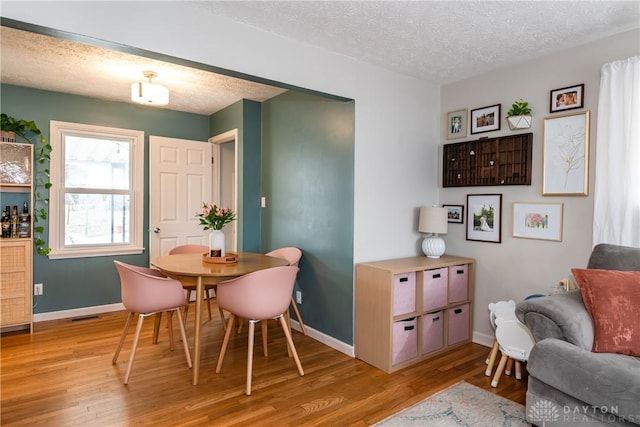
[
  {"x": 504, "y": 160},
  {"x": 378, "y": 295},
  {"x": 16, "y": 254}
]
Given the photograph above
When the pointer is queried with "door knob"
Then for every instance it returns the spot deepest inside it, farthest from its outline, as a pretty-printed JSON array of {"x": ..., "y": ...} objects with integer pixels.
[{"x": 156, "y": 230}]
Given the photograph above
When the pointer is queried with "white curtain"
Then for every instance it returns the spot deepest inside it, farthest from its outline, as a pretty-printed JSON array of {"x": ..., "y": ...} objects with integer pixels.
[{"x": 616, "y": 217}]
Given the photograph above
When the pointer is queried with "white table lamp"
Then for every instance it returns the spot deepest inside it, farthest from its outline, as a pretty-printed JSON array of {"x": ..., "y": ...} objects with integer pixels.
[{"x": 433, "y": 220}]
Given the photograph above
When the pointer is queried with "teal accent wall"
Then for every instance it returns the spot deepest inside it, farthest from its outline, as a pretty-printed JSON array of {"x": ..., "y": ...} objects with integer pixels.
[
  {"x": 307, "y": 177},
  {"x": 85, "y": 282},
  {"x": 296, "y": 149},
  {"x": 245, "y": 115}
]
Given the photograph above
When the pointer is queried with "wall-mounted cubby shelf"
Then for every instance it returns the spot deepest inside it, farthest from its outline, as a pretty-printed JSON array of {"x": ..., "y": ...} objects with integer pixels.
[{"x": 504, "y": 160}]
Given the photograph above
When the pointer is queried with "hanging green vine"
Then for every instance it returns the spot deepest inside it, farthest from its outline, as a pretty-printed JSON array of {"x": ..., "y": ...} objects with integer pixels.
[{"x": 28, "y": 130}]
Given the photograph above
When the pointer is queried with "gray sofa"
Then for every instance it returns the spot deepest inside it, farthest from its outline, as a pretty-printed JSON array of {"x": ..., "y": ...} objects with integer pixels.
[{"x": 569, "y": 385}]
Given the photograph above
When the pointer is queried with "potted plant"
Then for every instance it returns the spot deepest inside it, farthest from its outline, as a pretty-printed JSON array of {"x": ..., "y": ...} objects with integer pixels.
[
  {"x": 10, "y": 127},
  {"x": 519, "y": 115}
]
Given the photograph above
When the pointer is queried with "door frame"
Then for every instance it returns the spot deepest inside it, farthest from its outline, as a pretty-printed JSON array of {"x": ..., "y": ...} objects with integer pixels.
[{"x": 217, "y": 141}]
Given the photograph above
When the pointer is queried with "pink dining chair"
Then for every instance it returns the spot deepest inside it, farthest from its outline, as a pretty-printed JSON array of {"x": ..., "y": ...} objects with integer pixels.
[
  {"x": 292, "y": 255},
  {"x": 190, "y": 249},
  {"x": 258, "y": 296},
  {"x": 146, "y": 292}
]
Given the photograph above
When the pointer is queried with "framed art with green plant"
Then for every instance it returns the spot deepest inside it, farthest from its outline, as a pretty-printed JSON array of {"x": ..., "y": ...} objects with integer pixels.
[{"x": 28, "y": 130}]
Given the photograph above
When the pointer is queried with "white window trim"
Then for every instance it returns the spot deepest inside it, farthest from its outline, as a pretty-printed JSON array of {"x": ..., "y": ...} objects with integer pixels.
[{"x": 56, "y": 240}]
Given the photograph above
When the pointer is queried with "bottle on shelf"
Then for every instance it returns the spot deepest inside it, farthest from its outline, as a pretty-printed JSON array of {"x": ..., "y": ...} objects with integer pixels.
[
  {"x": 15, "y": 222},
  {"x": 25, "y": 221},
  {"x": 6, "y": 222}
]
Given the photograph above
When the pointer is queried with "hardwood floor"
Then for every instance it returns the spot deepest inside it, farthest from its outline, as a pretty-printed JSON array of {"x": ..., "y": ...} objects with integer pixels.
[{"x": 62, "y": 375}]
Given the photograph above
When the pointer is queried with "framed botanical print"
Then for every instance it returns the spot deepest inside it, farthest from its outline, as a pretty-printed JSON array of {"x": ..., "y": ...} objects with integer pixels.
[{"x": 565, "y": 155}]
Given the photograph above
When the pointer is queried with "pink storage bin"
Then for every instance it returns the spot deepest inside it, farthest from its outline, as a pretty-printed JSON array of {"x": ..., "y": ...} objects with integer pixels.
[
  {"x": 405, "y": 340},
  {"x": 458, "y": 324},
  {"x": 404, "y": 293},
  {"x": 434, "y": 288},
  {"x": 432, "y": 332},
  {"x": 458, "y": 283}
]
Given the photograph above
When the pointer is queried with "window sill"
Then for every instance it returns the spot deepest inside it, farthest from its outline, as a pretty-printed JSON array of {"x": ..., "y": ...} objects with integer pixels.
[{"x": 89, "y": 252}]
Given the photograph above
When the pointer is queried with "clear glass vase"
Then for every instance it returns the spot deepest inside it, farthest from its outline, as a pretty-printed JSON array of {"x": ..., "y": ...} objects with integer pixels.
[{"x": 216, "y": 244}]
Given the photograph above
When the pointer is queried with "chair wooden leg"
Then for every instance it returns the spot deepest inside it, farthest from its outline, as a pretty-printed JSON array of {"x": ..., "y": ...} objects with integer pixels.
[
  {"x": 134, "y": 347},
  {"x": 156, "y": 327},
  {"x": 221, "y": 311},
  {"x": 492, "y": 358},
  {"x": 518, "y": 370},
  {"x": 252, "y": 328},
  {"x": 125, "y": 331},
  {"x": 288, "y": 319},
  {"x": 507, "y": 370},
  {"x": 186, "y": 307},
  {"x": 496, "y": 377},
  {"x": 264, "y": 338},
  {"x": 170, "y": 326},
  {"x": 295, "y": 310},
  {"x": 291, "y": 346},
  {"x": 225, "y": 342},
  {"x": 184, "y": 338},
  {"x": 207, "y": 297},
  {"x": 224, "y": 321}
]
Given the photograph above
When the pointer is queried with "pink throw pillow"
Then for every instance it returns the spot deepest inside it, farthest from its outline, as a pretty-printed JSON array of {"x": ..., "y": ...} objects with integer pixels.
[{"x": 612, "y": 299}]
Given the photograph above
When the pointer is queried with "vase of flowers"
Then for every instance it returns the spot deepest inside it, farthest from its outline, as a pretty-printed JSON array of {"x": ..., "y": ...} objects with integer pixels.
[{"x": 213, "y": 217}]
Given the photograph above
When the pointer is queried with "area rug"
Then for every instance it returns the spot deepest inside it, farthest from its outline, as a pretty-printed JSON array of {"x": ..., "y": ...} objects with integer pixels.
[{"x": 462, "y": 404}]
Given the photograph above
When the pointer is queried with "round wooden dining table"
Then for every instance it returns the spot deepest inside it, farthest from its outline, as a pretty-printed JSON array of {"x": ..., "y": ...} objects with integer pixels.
[{"x": 191, "y": 269}]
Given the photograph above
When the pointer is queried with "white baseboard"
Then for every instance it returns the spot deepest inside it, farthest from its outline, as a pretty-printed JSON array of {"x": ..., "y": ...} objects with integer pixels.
[
  {"x": 483, "y": 339},
  {"x": 77, "y": 312},
  {"x": 325, "y": 339}
]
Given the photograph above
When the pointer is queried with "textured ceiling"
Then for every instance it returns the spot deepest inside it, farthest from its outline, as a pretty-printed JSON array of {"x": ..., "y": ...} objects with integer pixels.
[
  {"x": 106, "y": 74},
  {"x": 438, "y": 41}
]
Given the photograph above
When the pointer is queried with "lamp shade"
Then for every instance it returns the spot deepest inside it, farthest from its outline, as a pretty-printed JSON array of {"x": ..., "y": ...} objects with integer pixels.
[{"x": 433, "y": 220}]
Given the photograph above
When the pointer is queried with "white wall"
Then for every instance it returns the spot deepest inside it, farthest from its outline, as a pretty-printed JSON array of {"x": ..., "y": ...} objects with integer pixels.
[
  {"x": 396, "y": 117},
  {"x": 517, "y": 268}
]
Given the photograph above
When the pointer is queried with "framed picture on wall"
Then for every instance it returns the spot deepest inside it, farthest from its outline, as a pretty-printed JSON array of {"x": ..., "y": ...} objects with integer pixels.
[
  {"x": 485, "y": 119},
  {"x": 455, "y": 213},
  {"x": 565, "y": 155},
  {"x": 566, "y": 98},
  {"x": 457, "y": 124},
  {"x": 538, "y": 221},
  {"x": 484, "y": 217}
]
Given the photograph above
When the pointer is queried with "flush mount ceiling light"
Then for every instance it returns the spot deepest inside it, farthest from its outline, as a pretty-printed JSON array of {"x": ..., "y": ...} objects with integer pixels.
[{"x": 149, "y": 93}]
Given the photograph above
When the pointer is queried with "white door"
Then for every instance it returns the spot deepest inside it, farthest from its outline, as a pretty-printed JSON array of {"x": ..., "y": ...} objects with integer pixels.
[{"x": 180, "y": 180}]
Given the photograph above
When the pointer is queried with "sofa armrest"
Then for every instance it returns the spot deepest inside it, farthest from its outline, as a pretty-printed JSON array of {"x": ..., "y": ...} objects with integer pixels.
[{"x": 562, "y": 316}]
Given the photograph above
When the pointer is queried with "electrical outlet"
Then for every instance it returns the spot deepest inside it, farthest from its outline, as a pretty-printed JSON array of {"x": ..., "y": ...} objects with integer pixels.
[
  {"x": 298, "y": 297},
  {"x": 38, "y": 289}
]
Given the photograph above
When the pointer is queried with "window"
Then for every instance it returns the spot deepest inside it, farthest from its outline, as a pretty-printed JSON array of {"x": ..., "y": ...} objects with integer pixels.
[{"x": 97, "y": 194}]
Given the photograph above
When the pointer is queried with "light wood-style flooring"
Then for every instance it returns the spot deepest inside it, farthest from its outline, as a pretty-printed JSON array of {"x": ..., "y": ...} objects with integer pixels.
[{"x": 61, "y": 375}]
